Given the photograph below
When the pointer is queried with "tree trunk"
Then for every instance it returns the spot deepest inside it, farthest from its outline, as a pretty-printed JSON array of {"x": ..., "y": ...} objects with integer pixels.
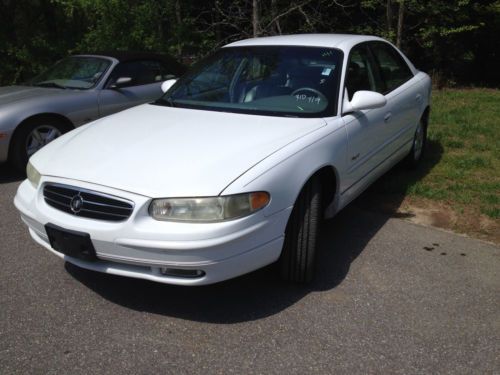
[
  {"x": 255, "y": 18},
  {"x": 388, "y": 17},
  {"x": 274, "y": 12},
  {"x": 399, "y": 35},
  {"x": 178, "y": 20},
  {"x": 218, "y": 33}
]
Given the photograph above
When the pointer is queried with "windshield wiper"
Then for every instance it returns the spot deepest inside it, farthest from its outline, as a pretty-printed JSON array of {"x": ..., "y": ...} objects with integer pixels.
[{"x": 50, "y": 84}]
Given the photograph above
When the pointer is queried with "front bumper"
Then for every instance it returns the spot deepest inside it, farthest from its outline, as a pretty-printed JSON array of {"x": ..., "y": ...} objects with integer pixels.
[{"x": 141, "y": 246}]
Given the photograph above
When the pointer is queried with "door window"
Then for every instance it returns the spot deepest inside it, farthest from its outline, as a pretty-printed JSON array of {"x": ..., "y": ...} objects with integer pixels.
[
  {"x": 361, "y": 74},
  {"x": 167, "y": 72},
  {"x": 393, "y": 69},
  {"x": 142, "y": 72}
]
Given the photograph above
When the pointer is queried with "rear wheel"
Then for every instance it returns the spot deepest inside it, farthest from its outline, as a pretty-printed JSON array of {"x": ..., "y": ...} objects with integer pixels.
[
  {"x": 32, "y": 136},
  {"x": 297, "y": 261},
  {"x": 417, "y": 150}
]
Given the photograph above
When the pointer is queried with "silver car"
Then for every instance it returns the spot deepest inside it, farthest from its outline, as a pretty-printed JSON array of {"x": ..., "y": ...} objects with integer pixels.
[{"x": 74, "y": 91}]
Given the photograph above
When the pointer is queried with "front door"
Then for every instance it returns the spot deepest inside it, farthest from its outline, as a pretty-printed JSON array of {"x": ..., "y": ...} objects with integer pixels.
[{"x": 365, "y": 129}]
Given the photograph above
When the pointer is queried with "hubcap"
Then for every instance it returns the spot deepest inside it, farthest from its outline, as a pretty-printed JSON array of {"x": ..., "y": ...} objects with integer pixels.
[
  {"x": 418, "y": 142},
  {"x": 39, "y": 137}
]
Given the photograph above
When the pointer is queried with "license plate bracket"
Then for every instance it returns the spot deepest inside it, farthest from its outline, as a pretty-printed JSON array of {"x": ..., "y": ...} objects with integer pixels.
[{"x": 72, "y": 243}]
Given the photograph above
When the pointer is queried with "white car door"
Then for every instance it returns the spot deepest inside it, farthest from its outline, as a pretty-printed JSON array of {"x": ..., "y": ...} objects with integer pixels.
[
  {"x": 403, "y": 92},
  {"x": 365, "y": 129}
]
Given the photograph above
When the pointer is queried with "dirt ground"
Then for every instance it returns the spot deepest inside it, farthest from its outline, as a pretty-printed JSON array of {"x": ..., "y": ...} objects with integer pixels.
[{"x": 431, "y": 213}]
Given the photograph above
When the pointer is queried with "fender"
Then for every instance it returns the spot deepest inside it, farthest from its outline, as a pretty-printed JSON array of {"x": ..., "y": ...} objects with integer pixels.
[{"x": 284, "y": 173}]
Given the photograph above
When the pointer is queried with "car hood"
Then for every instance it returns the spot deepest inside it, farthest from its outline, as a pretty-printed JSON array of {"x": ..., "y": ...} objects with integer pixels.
[
  {"x": 10, "y": 94},
  {"x": 161, "y": 151}
]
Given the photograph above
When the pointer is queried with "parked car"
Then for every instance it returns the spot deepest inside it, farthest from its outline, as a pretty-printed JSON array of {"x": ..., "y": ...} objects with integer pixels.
[
  {"x": 235, "y": 166},
  {"x": 75, "y": 91}
]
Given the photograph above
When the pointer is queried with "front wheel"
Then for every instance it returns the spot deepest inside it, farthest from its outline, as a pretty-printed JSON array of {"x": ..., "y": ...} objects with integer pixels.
[
  {"x": 297, "y": 261},
  {"x": 31, "y": 137}
]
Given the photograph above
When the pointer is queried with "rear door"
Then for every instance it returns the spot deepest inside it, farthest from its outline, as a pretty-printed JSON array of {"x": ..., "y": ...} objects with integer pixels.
[
  {"x": 145, "y": 86},
  {"x": 403, "y": 94}
]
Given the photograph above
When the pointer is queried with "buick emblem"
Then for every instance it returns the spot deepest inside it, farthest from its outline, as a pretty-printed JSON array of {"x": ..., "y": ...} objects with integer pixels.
[{"x": 76, "y": 203}]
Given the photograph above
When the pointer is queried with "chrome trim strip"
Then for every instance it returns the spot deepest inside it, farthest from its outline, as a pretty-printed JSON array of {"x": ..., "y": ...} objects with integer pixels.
[
  {"x": 61, "y": 195},
  {"x": 105, "y": 213},
  {"x": 107, "y": 205}
]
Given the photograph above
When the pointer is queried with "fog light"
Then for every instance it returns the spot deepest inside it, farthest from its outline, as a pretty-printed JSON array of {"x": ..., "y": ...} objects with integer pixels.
[{"x": 179, "y": 272}]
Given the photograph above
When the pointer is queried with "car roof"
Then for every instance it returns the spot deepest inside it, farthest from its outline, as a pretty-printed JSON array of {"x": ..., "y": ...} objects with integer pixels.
[
  {"x": 124, "y": 56},
  {"x": 340, "y": 41},
  {"x": 127, "y": 56}
]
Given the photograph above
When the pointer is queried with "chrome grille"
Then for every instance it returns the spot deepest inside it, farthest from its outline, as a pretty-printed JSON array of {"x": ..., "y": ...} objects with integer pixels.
[{"x": 87, "y": 203}]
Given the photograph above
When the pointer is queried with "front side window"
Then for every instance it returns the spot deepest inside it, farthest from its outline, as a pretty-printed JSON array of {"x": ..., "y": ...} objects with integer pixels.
[
  {"x": 168, "y": 72},
  {"x": 276, "y": 80},
  {"x": 76, "y": 72},
  {"x": 141, "y": 72},
  {"x": 361, "y": 72},
  {"x": 393, "y": 69}
]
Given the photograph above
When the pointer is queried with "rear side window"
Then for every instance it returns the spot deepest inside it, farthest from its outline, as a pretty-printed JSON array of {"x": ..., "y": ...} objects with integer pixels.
[{"x": 394, "y": 70}]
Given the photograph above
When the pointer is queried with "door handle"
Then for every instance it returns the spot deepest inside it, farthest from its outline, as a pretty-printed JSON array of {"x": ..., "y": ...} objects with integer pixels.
[{"x": 387, "y": 117}]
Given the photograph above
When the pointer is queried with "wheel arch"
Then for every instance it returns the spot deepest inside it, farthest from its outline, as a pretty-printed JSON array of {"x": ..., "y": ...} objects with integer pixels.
[
  {"x": 425, "y": 115},
  {"x": 39, "y": 116},
  {"x": 329, "y": 180}
]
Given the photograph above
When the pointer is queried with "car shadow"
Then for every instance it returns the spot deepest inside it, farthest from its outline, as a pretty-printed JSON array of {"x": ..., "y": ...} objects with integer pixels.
[
  {"x": 9, "y": 174},
  {"x": 388, "y": 192},
  {"x": 250, "y": 297},
  {"x": 260, "y": 293}
]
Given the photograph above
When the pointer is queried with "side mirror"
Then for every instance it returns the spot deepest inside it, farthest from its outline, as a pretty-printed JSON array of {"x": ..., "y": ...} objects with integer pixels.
[
  {"x": 121, "y": 82},
  {"x": 365, "y": 100},
  {"x": 167, "y": 84}
]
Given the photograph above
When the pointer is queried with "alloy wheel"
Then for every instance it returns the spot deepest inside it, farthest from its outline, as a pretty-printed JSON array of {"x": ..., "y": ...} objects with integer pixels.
[
  {"x": 418, "y": 142},
  {"x": 39, "y": 137}
]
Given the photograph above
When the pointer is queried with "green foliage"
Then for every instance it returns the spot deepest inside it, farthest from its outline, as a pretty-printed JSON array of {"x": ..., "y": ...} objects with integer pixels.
[
  {"x": 30, "y": 37},
  {"x": 453, "y": 40},
  {"x": 462, "y": 162}
]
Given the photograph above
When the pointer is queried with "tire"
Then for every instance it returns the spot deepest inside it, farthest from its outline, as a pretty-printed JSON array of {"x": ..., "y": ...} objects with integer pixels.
[
  {"x": 31, "y": 136},
  {"x": 418, "y": 147},
  {"x": 297, "y": 261}
]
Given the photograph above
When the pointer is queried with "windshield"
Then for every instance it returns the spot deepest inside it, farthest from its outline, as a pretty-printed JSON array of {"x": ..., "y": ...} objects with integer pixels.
[
  {"x": 76, "y": 72},
  {"x": 270, "y": 80}
]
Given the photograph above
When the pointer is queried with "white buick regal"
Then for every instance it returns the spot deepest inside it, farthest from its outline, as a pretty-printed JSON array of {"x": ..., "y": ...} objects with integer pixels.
[{"x": 235, "y": 166}]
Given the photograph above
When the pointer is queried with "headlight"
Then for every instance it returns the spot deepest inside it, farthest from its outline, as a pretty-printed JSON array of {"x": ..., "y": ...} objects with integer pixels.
[
  {"x": 208, "y": 209},
  {"x": 33, "y": 175}
]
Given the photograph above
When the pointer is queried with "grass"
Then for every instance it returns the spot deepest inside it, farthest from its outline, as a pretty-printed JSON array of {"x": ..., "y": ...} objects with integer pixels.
[
  {"x": 462, "y": 165},
  {"x": 467, "y": 125}
]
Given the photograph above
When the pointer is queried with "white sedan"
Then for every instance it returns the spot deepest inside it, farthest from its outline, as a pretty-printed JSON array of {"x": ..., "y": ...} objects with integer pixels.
[{"x": 235, "y": 166}]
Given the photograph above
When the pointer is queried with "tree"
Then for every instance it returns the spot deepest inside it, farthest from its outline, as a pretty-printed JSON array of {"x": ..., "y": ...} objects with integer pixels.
[{"x": 455, "y": 40}]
